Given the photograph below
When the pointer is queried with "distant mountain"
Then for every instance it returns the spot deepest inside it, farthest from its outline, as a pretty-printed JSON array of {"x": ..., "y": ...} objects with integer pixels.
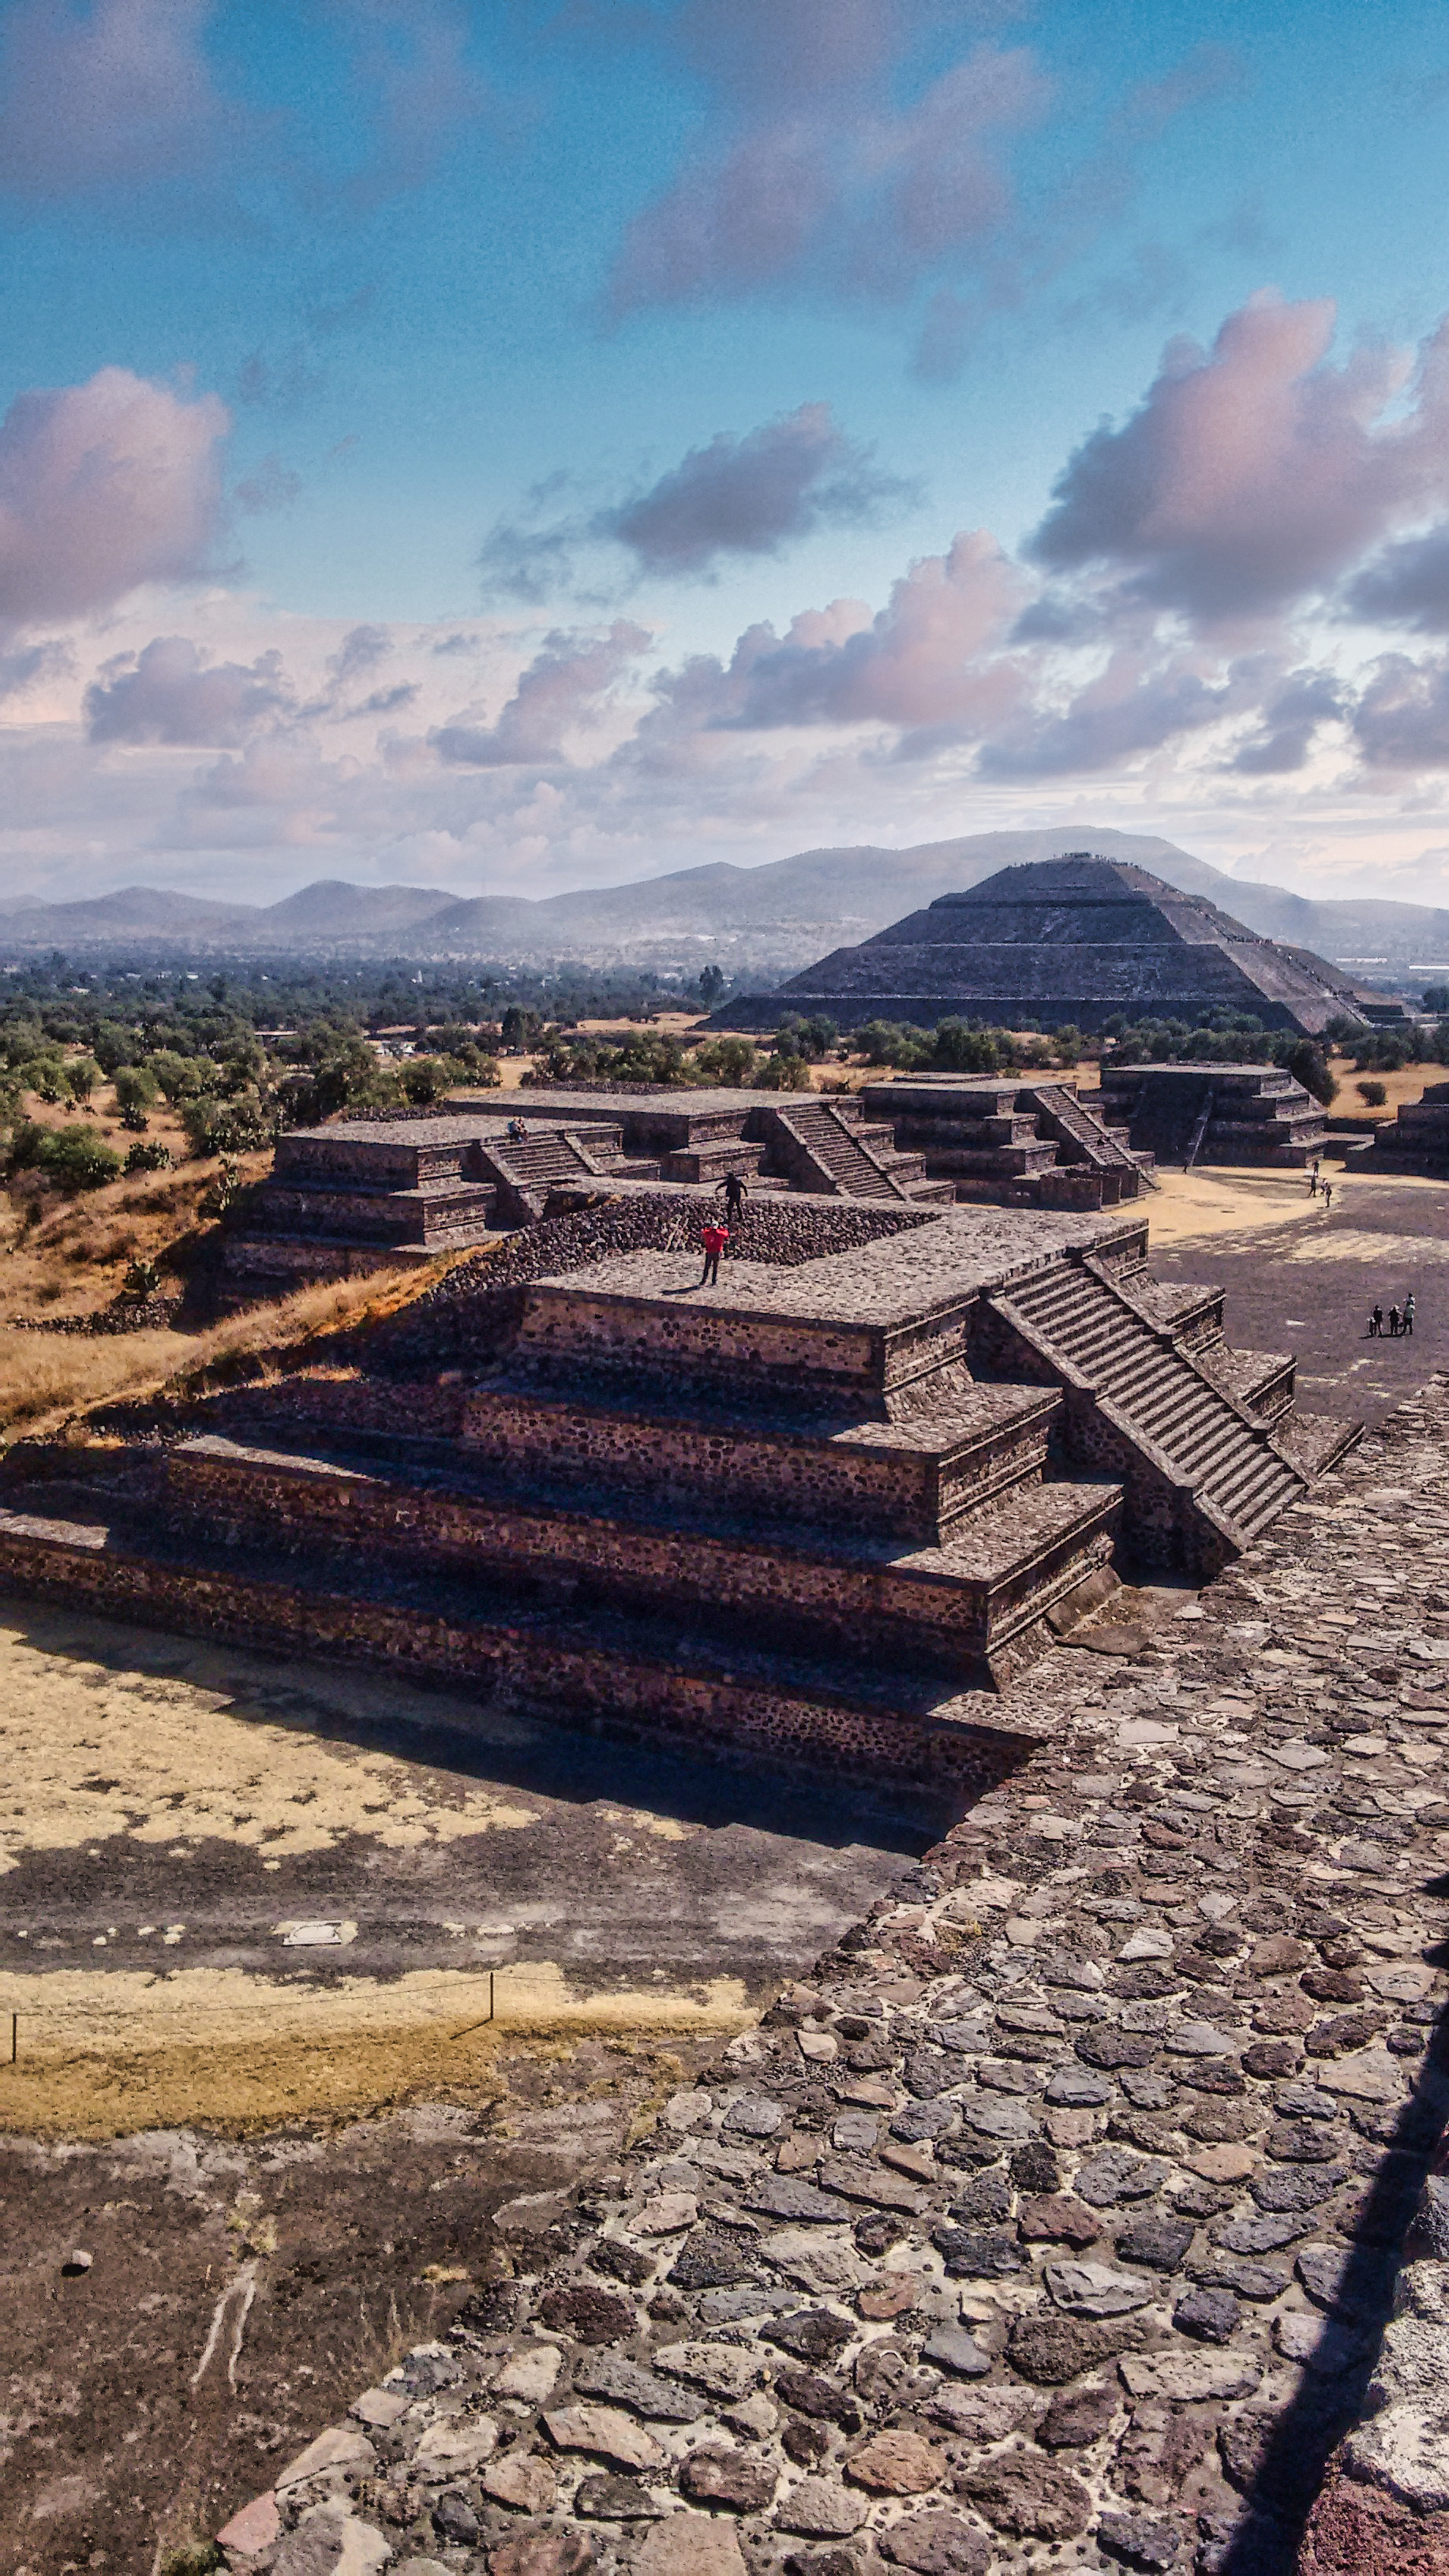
[{"x": 760, "y": 923}]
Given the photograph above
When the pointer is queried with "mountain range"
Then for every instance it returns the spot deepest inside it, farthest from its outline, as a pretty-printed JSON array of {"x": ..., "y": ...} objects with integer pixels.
[{"x": 758, "y": 923}]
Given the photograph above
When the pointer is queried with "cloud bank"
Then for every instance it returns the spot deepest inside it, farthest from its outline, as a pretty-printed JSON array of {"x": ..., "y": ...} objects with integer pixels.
[{"x": 1215, "y": 617}]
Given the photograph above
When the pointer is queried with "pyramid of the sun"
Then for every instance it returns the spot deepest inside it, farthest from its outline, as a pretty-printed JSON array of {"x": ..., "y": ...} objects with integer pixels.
[{"x": 1069, "y": 940}]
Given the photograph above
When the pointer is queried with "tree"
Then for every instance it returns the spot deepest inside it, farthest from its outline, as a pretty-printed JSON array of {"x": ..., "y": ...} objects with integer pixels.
[
  {"x": 424, "y": 1079},
  {"x": 711, "y": 985},
  {"x": 727, "y": 1061},
  {"x": 783, "y": 1071},
  {"x": 1308, "y": 1064},
  {"x": 227, "y": 1126},
  {"x": 956, "y": 1048},
  {"x": 1435, "y": 997}
]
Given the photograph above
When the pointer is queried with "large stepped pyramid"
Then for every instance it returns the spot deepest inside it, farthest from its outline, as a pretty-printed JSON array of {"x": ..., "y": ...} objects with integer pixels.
[
  {"x": 820, "y": 1510},
  {"x": 1068, "y": 941}
]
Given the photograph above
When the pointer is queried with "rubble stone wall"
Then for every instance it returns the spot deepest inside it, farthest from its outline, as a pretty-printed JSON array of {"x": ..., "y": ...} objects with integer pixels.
[
  {"x": 870, "y": 1606},
  {"x": 736, "y": 1719}
]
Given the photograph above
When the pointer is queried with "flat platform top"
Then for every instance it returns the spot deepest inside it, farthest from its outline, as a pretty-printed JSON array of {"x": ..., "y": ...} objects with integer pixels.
[
  {"x": 684, "y": 1103},
  {"x": 937, "y": 1091},
  {"x": 412, "y": 1132},
  {"x": 893, "y": 1281}
]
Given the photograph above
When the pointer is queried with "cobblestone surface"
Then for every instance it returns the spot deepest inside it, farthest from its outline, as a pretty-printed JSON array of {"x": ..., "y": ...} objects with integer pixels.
[{"x": 1054, "y": 2221}]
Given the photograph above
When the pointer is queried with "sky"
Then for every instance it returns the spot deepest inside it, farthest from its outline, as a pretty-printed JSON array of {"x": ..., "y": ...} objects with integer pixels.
[{"x": 509, "y": 447}]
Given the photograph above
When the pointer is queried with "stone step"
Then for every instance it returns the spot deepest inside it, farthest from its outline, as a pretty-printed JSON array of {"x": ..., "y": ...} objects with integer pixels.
[
  {"x": 667, "y": 1682},
  {"x": 437, "y": 1212},
  {"x": 988, "y": 1162},
  {"x": 909, "y": 1479},
  {"x": 1155, "y": 1388},
  {"x": 762, "y": 1329},
  {"x": 950, "y": 1606}
]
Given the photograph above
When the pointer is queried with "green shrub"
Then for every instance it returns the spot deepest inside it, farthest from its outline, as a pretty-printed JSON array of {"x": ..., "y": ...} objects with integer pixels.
[
  {"x": 46, "y": 1075},
  {"x": 782, "y": 1072},
  {"x": 424, "y": 1079},
  {"x": 76, "y": 1158},
  {"x": 812, "y": 1038},
  {"x": 82, "y": 1073},
  {"x": 183, "y": 1077},
  {"x": 154, "y": 1157},
  {"x": 227, "y": 1126},
  {"x": 25, "y": 1144},
  {"x": 1373, "y": 1094}
]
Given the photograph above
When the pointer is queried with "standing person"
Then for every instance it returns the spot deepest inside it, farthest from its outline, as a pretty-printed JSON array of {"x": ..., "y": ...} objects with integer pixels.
[
  {"x": 734, "y": 1195},
  {"x": 1327, "y": 1196},
  {"x": 1409, "y": 1314},
  {"x": 1376, "y": 1325},
  {"x": 714, "y": 1237},
  {"x": 1393, "y": 1323},
  {"x": 1313, "y": 1180}
]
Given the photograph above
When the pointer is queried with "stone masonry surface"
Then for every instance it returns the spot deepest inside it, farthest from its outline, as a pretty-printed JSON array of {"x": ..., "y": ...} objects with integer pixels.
[{"x": 1054, "y": 2221}]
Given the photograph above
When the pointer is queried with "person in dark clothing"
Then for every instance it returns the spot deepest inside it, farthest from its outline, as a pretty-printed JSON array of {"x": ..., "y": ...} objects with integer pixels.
[
  {"x": 714, "y": 1238},
  {"x": 1376, "y": 1325},
  {"x": 1393, "y": 1323},
  {"x": 733, "y": 1189}
]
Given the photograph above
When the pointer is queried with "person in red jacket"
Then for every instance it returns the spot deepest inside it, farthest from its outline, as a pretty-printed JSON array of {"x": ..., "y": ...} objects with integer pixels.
[{"x": 714, "y": 1238}]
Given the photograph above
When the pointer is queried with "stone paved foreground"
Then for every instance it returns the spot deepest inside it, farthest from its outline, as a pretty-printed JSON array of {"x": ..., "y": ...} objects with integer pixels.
[{"x": 1053, "y": 2223}]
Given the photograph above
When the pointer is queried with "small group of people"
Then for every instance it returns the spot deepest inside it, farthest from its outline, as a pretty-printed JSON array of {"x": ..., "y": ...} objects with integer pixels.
[
  {"x": 715, "y": 1236},
  {"x": 1317, "y": 1183},
  {"x": 1400, "y": 1320}
]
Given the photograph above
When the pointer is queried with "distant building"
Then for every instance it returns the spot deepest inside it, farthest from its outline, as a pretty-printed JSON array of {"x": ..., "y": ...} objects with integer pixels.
[{"x": 1068, "y": 941}]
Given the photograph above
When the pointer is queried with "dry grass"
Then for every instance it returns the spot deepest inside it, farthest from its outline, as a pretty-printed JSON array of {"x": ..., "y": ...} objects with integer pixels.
[
  {"x": 46, "y": 1380},
  {"x": 1408, "y": 1084},
  {"x": 74, "y": 1259}
]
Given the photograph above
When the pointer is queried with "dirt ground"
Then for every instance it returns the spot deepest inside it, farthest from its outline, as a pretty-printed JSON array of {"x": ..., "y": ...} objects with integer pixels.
[
  {"x": 1300, "y": 1280},
  {"x": 254, "y": 1916},
  {"x": 241, "y": 2291}
]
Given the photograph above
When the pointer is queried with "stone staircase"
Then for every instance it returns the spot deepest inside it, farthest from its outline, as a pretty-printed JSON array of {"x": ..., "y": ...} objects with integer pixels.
[
  {"x": 1223, "y": 1113},
  {"x": 1020, "y": 1143},
  {"x": 825, "y": 1144},
  {"x": 1102, "y": 1149},
  {"x": 527, "y": 1167},
  {"x": 1198, "y": 1448}
]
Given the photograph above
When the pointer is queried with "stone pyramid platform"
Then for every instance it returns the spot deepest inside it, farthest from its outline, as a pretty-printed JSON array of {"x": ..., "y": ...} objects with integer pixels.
[
  {"x": 816, "y": 1512},
  {"x": 366, "y": 1194},
  {"x": 1214, "y": 1113},
  {"x": 1417, "y": 1139},
  {"x": 1068, "y": 941}
]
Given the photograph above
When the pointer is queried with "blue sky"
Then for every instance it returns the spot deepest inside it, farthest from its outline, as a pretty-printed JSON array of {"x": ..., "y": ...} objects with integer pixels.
[{"x": 531, "y": 446}]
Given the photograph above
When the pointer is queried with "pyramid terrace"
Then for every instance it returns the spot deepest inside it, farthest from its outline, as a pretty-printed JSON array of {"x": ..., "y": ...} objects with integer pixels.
[{"x": 816, "y": 1513}]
